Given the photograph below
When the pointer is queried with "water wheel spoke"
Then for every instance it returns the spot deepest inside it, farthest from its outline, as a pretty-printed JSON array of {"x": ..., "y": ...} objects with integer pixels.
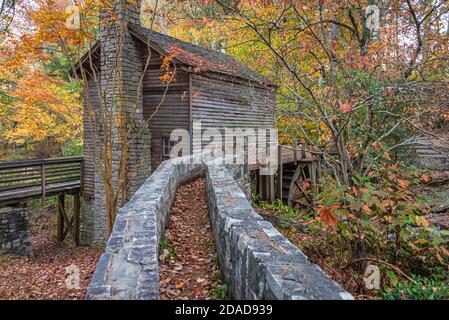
[
  {"x": 306, "y": 196},
  {"x": 298, "y": 185}
]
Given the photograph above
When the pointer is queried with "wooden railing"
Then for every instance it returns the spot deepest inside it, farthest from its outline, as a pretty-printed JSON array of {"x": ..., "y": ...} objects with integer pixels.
[{"x": 40, "y": 178}]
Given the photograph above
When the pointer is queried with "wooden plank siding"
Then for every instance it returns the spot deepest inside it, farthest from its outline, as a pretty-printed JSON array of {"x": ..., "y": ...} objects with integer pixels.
[
  {"x": 231, "y": 104},
  {"x": 218, "y": 101},
  {"x": 172, "y": 113},
  {"x": 89, "y": 138}
]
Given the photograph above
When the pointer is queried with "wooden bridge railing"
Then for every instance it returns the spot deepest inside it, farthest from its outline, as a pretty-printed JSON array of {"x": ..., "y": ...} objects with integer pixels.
[{"x": 20, "y": 180}]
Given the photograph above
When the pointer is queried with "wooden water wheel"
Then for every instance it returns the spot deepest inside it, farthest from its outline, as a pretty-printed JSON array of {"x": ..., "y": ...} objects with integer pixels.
[
  {"x": 296, "y": 179},
  {"x": 299, "y": 183}
]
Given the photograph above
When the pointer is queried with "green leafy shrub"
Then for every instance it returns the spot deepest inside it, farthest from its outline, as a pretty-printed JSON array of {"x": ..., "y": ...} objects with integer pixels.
[
  {"x": 377, "y": 220},
  {"x": 166, "y": 245},
  {"x": 380, "y": 216},
  {"x": 220, "y": 292},
  {"x": 421, "y": 289},
  {"x": 72, "y": 148}
]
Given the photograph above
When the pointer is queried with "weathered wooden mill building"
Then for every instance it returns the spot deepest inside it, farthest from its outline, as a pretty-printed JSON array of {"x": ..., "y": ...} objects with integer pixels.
[
  {"x": 207, "y": 86},
  {"x": 125, "y": 72}
]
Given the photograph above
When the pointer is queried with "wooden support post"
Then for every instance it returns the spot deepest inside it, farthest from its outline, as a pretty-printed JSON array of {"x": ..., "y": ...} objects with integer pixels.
[
  {"x": 260, "y": 185},
  {"x": 76, "y": 216},
  {"x": 280, "y": 172},
  {"x": 43, "y": 184},
  {"x": 271, "y": 188},
  {"x": 61, "y": 213},
  {"x": 264, "y": 187},
  {"x": 266, "y": 190}
]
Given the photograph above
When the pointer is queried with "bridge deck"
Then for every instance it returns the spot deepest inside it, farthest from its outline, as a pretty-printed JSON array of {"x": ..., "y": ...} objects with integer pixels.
[
  {"x": 288, "y": 155},
  {"x": 12, "y": 196}
]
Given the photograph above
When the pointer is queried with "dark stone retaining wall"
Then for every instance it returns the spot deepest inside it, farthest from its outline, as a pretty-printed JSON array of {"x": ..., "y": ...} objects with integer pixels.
[
  {"x": 15, "y": 234},
  {"x": 256, "y": 260}
]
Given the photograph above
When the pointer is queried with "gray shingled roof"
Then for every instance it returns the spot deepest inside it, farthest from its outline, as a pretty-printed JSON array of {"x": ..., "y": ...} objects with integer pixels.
[{"x": 200, "y": 58}]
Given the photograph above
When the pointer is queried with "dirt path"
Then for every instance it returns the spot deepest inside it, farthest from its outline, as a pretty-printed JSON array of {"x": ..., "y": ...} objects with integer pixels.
[
  {"x": 44, "y": 276},
  {"x": 188, "y": 264}
]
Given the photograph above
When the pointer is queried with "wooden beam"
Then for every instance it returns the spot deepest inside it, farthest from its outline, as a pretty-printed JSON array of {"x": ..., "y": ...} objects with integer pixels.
[
  {"x": 264, "y": 187},
  {"x": 295, "y": 151},
  {"x": 309, "y": 200},
  {"x": 69, "y": 225}
]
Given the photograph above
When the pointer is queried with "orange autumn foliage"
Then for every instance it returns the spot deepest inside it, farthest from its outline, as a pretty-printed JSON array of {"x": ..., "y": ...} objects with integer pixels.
[
  {"x": 327, "y": 215},
  {"x": 34, "y": 103},
  {"x": 43, "y": 110}
]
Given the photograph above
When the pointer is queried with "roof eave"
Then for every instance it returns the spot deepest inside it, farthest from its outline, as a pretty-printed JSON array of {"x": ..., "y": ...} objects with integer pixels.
[
  {"x": 164, "y": 52},
  {"x": 80, "y": 62},
  {"x": 77, "y": 67}
]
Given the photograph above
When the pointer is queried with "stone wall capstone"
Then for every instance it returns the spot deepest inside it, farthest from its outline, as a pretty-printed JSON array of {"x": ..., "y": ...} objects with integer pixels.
[{"x": 15, "y": 234}]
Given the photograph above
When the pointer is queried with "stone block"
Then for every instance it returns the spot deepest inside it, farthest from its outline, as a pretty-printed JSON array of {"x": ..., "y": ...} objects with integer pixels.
[{"x": 15, "y": 234}]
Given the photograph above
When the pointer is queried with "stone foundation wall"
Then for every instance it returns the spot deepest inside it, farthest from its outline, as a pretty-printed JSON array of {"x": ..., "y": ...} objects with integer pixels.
[
  {"x": 15, "y": 234},
  {"x": 256, "y": 260},
  {"x": 93, "y": 219}
]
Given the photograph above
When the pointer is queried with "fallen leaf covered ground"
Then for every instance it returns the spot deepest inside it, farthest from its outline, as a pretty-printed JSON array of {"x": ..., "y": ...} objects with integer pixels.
[
  {"x": 44, "y": 275},
  {"x": 188, "y": 264}
]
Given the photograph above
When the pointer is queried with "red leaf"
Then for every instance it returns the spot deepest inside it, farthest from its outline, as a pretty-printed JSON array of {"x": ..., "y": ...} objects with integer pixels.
[
  {"x": 305, "y": 184},
  {"x": 345, "y": 107},
  {"x": 444, "y": 250},
  {"x": 402, "y": 183},
  {"x": 327, "y": 216},
  {"x": 376, "y": 146},
  {"x": 366, "y": 208}
]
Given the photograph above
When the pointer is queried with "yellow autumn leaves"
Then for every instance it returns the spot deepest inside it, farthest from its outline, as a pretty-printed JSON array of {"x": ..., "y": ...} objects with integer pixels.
[
  {"x": 43, "y": 108},
  {"x": 37, "y": 103}
]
